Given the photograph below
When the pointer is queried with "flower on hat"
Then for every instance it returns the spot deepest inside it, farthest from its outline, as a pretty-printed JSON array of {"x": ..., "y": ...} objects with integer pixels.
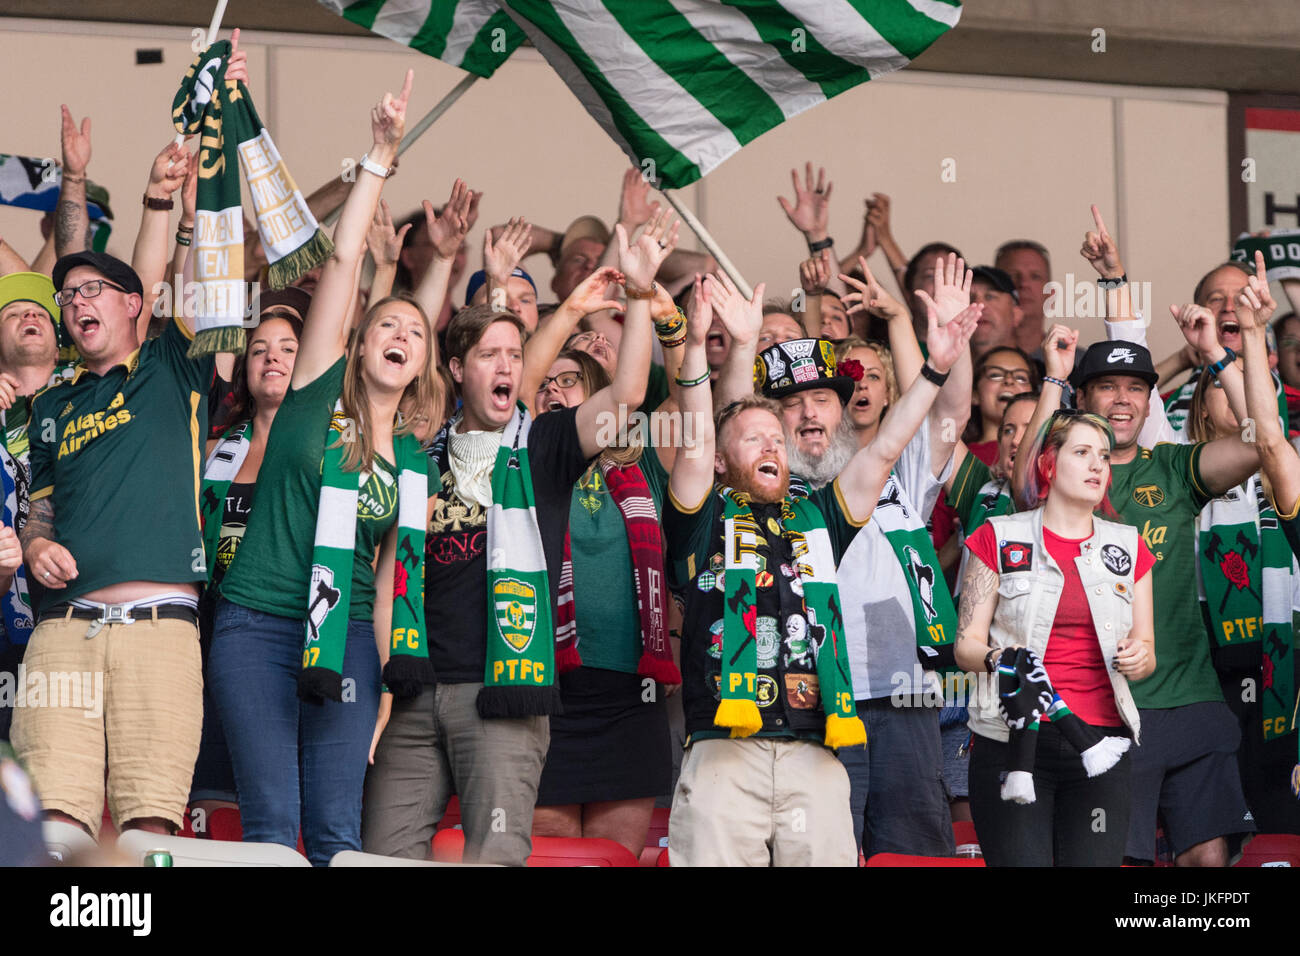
[{"x": 852, "y": 368}]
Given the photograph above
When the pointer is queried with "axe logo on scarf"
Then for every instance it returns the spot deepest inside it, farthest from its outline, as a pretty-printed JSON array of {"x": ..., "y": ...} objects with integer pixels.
[
  {"x": 516, "y": 604},
  {"x": 1116, "y": 559},
  {"x": 1015, "y": 556},
  {"x": 922, "y": 576},
  {"x": 748, "y": 611},
  {"x": 324, "y": 596},
  {"x": 892, "y": 497}
]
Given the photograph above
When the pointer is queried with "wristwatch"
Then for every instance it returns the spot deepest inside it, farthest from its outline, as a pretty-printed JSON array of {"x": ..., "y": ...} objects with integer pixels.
[{"x": 820, "y": 244}]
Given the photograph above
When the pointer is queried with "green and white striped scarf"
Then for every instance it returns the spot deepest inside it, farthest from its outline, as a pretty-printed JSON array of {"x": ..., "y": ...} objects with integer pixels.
[
  {"x": 330, "y": 594},
  {"x": 1245, "y": 581},
  {"x": 219, "y": 471},
  {"x": 814, "y": 563},
  {"x": 519, "y": 667},
  {"x": 233, "y": 140}
]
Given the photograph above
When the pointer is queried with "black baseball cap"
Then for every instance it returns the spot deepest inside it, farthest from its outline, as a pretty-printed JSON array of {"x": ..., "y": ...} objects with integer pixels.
[
  {"x": 1114, "y": 357},
  {"x": 110, "y": 267},
  {"x": 998, "y": 279}
]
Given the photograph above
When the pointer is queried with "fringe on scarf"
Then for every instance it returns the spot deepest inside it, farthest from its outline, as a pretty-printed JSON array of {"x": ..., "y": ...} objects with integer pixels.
[
  {"x": 225, "y": 338},
  {"x": 406, "y": 674},
  {"x": 516, "y": 701},
  {"x": 299, "y": 262}
]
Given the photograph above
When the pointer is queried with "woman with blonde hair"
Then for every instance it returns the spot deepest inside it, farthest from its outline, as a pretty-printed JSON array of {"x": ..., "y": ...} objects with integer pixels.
[
  {"x": 309, "y": 613},
  {"x": 1056, "y": 605}
]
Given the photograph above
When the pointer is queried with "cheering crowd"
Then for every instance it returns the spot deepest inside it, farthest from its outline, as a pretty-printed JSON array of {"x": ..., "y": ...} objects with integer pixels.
[{"x": 902, "y": 559}]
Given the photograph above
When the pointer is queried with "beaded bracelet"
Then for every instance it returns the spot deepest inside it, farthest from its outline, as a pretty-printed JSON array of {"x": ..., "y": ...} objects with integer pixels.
[
  {"x": 673, "y": 343},
  {"x": 1056, "y": 381}
]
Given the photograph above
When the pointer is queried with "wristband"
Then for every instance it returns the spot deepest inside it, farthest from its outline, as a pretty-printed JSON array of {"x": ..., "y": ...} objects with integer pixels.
[
  {"x": 930, "y": 374},
  {"x": 820, "y": 244},
  {"x": 151, "y": 203},
  {"x": 1224, "y": 362},
  {"x": 635, "y": 293},
  {"x": 673, "y": 343},
  {"x": 182, "y": 239},
  {"x": 988, "y": 659},
  {"x": 181, "y": 227},
  {"x": 1057, "y": 381},
  {"x": 74, "y": 177},
  {"x": 370, "y": 166},
  {"x": 1115, "y": 283},
  {"x": 689, "y": 383}
]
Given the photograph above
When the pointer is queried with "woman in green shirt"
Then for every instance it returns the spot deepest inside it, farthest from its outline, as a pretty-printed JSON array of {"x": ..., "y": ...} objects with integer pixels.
[{"x": 302, "y": 762}]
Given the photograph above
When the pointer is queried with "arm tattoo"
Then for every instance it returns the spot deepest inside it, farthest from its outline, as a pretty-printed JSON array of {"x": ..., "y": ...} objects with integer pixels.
[
  {"x": 40, "y": 522},
  {"x": 978, "y": 583},
  {"x": 69, "y": 226}
]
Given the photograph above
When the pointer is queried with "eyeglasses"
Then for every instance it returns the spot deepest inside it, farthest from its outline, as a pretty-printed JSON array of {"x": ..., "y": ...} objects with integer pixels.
[
  {"x": 89, "y": 290},
  {"x": 564, "y": 380},
  {"x": 995, "y": 374}
]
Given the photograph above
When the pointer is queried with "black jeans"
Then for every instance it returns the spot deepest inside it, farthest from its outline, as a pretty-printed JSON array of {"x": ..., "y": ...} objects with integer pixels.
[{"x": 1075, "y": 821}]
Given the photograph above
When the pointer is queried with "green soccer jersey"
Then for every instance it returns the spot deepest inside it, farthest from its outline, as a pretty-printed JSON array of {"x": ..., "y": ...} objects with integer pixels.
[
  {"x": 271, "y": 571},
  {"x": 119, "y": 455},
  {"x": 1160, "y": 493},
  {"x": 609, "y": 624},
  {"x": 976, "y": 496}
]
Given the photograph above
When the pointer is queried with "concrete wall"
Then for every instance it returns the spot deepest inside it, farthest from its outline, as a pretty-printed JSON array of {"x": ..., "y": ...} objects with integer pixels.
[{"x": 1030, "y": 155}]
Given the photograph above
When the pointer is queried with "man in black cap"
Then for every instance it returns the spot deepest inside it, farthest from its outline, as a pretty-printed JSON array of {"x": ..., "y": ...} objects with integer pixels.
[
  {"x": 1002, "y": 313},
  {"x": 113, "y": 545},
  {"x": 1186, "y": 768}
]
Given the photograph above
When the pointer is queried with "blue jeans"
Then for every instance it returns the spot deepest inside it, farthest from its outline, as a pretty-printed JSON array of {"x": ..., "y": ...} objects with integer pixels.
[{"x": 297, "y": 764}]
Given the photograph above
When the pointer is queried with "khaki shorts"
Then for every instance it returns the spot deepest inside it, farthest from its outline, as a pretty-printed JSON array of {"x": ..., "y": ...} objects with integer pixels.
[
  {"x": 760, "y": 801},
  {"x": 134, "y": 694}
]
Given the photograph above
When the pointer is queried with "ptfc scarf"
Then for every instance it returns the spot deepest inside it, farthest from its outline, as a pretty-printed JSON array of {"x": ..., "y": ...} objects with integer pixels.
[{"x": 233, "y": 140}]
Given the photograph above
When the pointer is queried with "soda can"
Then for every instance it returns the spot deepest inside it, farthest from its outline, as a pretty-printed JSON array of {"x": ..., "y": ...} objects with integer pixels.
[{"x": 158, "y": 858}]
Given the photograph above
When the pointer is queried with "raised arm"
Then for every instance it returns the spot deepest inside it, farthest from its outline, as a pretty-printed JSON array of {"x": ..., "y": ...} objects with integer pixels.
[
  {"x": 1199, "y": 329},
  {"x": 501, "y": 256},
  {"x": 810, "y": 211},
  {"x": 446, "y": 233},
  {"x": 872, "y": 297},
  {"x": 71, "y": 221},
  {"x": 325, "y": 333},
  {"x": 638, "y": 262},
  {"x": 384, "y": 245},
  {"x": 1058, "y": 356},
  {"x": 553, "y": 331},
  {"x": 951, "y": 410},
  {"x": 863, "y": 478},
  {"x": 814, "y": 273},
  {"x": 149, "y": 258},
  {"x": 691, "y": 479},
  {"x": 10, "y": 260},
  {"x": 736, "y": 376},
  {"x": 1277, "y": 456}
]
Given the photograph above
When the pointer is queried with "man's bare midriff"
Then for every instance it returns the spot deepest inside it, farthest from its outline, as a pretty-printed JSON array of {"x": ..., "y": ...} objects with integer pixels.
[{"x": 126, "y": 591}]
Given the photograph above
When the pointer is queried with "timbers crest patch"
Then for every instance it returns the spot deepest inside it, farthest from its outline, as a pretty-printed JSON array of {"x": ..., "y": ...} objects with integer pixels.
[{"x": 516, "y": 606}]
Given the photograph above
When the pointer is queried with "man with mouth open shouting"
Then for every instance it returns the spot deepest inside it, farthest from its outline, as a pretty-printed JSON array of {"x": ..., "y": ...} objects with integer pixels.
[
  {"x": 1186, "y": 767},
  {"x": 767, "y": 687}
]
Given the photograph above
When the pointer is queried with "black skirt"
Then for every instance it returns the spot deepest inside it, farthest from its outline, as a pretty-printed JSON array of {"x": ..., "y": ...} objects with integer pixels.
[{"x": 611, "y": 743}]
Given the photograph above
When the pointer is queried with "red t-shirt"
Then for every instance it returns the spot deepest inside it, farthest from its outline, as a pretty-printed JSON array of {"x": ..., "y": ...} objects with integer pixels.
[
  {"x": 1073, "y": 657},
  {"x": 985, "y": 451}
]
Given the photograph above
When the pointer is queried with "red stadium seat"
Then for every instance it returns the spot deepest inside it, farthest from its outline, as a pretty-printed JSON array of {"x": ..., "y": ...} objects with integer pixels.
[
  {"x": 450, "y": 816},
  {"x": 963, "y": 835},
  {"x": 902, "y": 859},
  {"x": 449, "y": 847},
  {"x": 663, "y": 858},
  {"x": 1271, "y": 849},
  {"x": 656, "y": 838}
]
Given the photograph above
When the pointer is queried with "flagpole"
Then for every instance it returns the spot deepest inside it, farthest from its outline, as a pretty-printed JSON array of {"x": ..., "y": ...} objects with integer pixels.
[
  {"x": 416, "y": 131},
  {"x": 214, "y": 26},
  {"x": 710, "y": 243}
]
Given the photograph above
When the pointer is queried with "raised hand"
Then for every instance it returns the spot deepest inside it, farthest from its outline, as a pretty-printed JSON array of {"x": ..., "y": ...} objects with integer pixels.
[
  {"x": 742, "y": 318},
  {"x": 447, "y": 232},
  {"x": 1059, "y": 346},
  {"x": 9, "y": 389},
  {"x": 878, "y": 214},
  {"x": 699, "y": 313},
  {"x": 1199, "y": 328},
  {"x": 169, "y": 172},
  {"x": 870, "y": 296},
  {"x": 76, "y": 145},
  {"x": 589, "y": 294},
  {"x": 634, "y": 206},
  {"x": 190, "y": 191},
  {"x": 388, "y": 118},
  {"x": 640, "y": 260},
  {"x": 501, "y": 257},
  {"x": 237, "y": 65},
  {"x": 952, "y": 284},
  {"x": 810, "y": 213},
  {"x": 1100, "y": 249},
  {"x": 948, "y": 342},
  {"x": 1255, "y": 305},
  {"x": 384, "y": 244},
  {"x": 814, "y": 272}
]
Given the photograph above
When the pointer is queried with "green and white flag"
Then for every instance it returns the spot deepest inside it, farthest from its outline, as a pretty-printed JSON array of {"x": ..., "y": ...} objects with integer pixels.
[
  {"x": 475, "y": 35},
  {"x": 681, "y": 85}
]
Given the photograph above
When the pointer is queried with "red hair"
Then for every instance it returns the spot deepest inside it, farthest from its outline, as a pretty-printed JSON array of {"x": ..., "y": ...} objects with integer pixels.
[{"x": 1045, "y": 462}]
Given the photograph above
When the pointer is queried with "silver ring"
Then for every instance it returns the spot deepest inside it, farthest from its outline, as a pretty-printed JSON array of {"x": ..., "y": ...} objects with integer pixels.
[{"x": 46, "y": 575}]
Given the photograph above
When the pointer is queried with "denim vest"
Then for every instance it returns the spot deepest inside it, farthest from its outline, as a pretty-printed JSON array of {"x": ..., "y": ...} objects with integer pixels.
[{"x": 1029, "y": 589}]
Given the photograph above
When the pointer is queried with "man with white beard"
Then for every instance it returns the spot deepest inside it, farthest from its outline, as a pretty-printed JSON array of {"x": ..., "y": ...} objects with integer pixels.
[{"x": 897, "y": 609}]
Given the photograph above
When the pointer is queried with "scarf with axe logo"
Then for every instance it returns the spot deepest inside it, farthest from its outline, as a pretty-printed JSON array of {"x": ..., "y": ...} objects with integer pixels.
[{"x": 804, "y": 527}]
